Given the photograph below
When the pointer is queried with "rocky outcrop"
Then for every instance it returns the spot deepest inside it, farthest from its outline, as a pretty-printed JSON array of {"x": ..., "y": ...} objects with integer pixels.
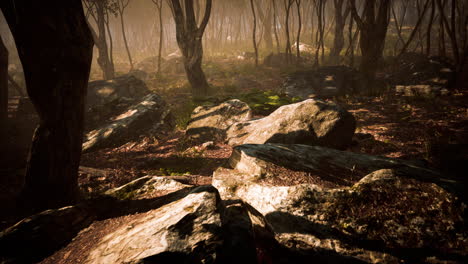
[
  {"x": 148, "y": 116},
  {"x": 209, "y": 123},
  {"x": 36, "y": 237},
  {"x": 368, "y": 208},
  {"x": 147, "y": 187},
  {"x": 417, "y": 69},
  {"x": 187, "y": 230},
  {"x": 422, "y": 90},
  {"x": 311, "y": 122},
  {"x": 101, "y": 92},
  {"x": 324, "y": 82}
]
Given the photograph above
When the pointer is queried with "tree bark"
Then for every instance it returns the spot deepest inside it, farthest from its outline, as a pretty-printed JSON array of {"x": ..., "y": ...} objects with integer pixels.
[
  {"x": 3, "y": 87},
  {"x": 121, "y": 7},
  {"x": 254, "y": 32},
  {"x": 55, "y": 48},
  {"x": 373, "y": 27},
  {"x": 298, "y": 39},
  {"x": 338, "y": 40},
  {"x": 189, "y": 38},
  {"x": 287, "y": 6}
]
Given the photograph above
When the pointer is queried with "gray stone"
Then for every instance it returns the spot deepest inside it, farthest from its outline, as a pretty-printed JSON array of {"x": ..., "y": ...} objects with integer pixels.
[
  {"x": 210, "y": 123},
  {"x": 150, "y": 116},
  {"x": 185, "y": 231},
  {"x": 102, "y": 91},
  {"x": 146, "y": 187},
  {"x": 324, "y": 82},
  {"x": 395, "y": 207},
  {"x": 38, "y": 236},
  {"x": 311, "y": 122}
]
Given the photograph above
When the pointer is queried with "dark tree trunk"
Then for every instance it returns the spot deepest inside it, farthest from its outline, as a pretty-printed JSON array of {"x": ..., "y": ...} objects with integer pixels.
[
  {"x": 278, "y": 47},
  {"x": 104, "y": 59},
  {"x": 254, "y": 32},
  {"x": 288, "y": 51},
  {"x": 189, "y": 38},
  {"x": 121, "y": 7},
  {"x": 373, "y": 30},
  {"x": 56, "y": 61},
  {"x": 298, "y": 39},
  {"x": 3, "y": 87},
  {"x": 338, "y": 40}
]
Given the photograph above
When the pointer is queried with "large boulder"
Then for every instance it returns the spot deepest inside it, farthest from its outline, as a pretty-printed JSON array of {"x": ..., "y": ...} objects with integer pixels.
[
  {"x": 369, "y": 208},
  {"x": 102, "y": 91},
  {"x": 323, "y": 82},
  {"x": 37, "y": 236},
  {"x": 188, "y": 230},
  {"x": 149, "y": 64},
  {"x": 149, "y": 116},
  {"x": 311, "y": 122},
  {"x": 417, "y": 69},
  {"x": 208, "y": 123}
]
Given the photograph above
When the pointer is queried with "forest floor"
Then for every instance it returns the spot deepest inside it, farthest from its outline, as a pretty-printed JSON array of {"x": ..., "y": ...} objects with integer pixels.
[{"x": 387, "y": 125}]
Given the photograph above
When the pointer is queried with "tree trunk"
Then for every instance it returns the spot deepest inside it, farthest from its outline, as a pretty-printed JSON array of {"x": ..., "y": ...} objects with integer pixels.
[
  {"x": 189, "y": 38},
  {"x": 122, "y": 23},
  {"x": 254, "y": 32},
  {"x": 278, "y": 47},
  {"x": 298, "y": 40},
  {"x": 103, "y": 53},
  {"x": 3, "y": 87},
  {"x": 373, "y": 29},
  {"x": 56, "y": 62},
  {"x": 338, "y": 40},
  {"x": 288, "y": 52}
]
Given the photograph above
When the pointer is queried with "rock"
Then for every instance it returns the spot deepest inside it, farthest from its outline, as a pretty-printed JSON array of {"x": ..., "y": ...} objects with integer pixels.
[
  {"x": 324, "y": 82},
  {"x": 146, "y": 187},
  {"x": 175, "y": 54},
  {"x": 173, "y": 65},
  {"x": 101, "y": 92},
  {"x": 388, "y": 215},
  {"x": 278, "y": 60},
  {"x": 99, "y": 114},
  {"x": 417, "y": 69},
  {"x": 422, "y": 90},
  {"x": 185, "y": 231},
  {"x": 42, "y": 234},
  {"x": 150, "y": 116},
  {"x": 303, "y": 48},
  {"x": 149, "y": 64},
  {"x": 208, "y": 123},
  {"x": 139, "y": 74},
  {"x": 311, "y": 122}
]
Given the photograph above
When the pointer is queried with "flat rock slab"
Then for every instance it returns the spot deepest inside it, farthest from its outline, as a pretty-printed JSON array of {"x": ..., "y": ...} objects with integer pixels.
[
  {"x": 104, "y": 91},
  {"x": 310, "y": 122},
  {"x": 184, "y": 231},
  {"x": 325, "y": 167},
  {"x": 150, "y": 116},
  {"x": 369, "y": 208},
  {"x": 147, "y": 187}
]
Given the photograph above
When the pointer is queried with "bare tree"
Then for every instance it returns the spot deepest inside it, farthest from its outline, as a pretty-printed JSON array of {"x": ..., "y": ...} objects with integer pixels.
[
  {"x": 189, "y": 38},
  {"x": 338, "y": 40},
  {"x": 56, "y": 67},
  {"x": 373, "y": 25},
  {"x": 159, "y": 6},
  {"x": 254, "y": 32},
  {"x": 98, "y": 10},
  {"x": 299, "y": 28},
  {"x": 275, "y": 27},
  {"x": 3, "y": 86},
  {"x": 287, "y": 7},
  {"x": 121, "y": 5}
]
